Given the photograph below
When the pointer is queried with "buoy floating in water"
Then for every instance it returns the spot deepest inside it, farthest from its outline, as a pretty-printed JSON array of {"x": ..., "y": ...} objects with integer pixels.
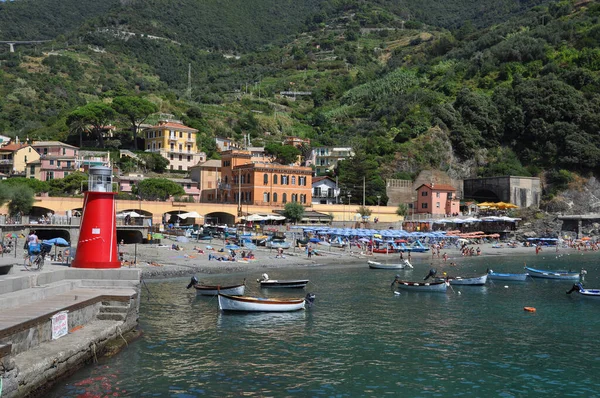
[{"x": 529, "y": 309}]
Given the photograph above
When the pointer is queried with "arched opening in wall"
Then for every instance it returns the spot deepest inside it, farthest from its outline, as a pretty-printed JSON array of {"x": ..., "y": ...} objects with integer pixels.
[
  {"x": 45, "y": 234},
  {"x": 485, "y": 195},
  {"x": 75, "y": 212},
  {"x": 219, "y": 218},
  {"x": 130, "y": 236},
  {"x": 133, "y": 217},
  {"x": 40, "y": 214}
]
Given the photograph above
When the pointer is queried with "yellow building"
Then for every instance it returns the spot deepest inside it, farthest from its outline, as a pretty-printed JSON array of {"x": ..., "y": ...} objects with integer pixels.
[
  {"x": 14, "y": 158},
  {"x": 175, "y": 142}
]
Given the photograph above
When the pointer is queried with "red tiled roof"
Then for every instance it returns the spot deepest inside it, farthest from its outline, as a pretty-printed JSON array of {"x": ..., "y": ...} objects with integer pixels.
[
  {"x": 171, "y": 125},
  {"x": 438, "y": 187},
  {"x": 13, "y": 147}
]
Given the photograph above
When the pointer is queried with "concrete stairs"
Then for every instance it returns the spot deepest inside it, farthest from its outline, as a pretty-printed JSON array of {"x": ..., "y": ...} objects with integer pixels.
[{"x": 113, "y": 311}]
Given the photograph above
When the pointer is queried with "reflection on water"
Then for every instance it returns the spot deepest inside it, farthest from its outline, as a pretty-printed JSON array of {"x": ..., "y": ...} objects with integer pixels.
[
  {"x": 263, "y": 320},
  {"x": 360, "y": 339}
]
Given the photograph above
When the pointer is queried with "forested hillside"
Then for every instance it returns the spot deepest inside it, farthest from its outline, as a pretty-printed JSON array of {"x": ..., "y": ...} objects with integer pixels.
[{"x": 407, "y": 91}]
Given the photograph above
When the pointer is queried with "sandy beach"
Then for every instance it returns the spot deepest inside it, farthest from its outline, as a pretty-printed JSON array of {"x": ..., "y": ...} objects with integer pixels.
[{"x": 160, "y": 261}]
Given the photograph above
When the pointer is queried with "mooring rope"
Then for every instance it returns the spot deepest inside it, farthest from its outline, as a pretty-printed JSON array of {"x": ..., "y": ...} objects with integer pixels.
[{"x": 121, "y": 334}]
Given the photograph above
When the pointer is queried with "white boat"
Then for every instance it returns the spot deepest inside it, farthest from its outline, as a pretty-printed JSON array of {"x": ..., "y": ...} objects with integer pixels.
[
  {"x": 288, "y": 284},
  {"x": 498, "y": 276},
  {"x": 213, "y": 290},
  {"x": 421, "y": 286},
  {"x": 558, "y": 274},
  {"x": 401, "y": 265},
  {"x": 460, "y": 280},
  {"x": 260, "y": 304}
]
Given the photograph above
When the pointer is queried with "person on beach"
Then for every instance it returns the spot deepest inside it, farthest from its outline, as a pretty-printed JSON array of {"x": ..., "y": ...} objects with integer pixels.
[
  {"x": 309, "y": 251},
  {"x": 445, "y": 257}
]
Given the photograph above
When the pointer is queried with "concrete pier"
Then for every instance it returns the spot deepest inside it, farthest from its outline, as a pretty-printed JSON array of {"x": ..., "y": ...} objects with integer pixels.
[{"x": 101, "y": 306}]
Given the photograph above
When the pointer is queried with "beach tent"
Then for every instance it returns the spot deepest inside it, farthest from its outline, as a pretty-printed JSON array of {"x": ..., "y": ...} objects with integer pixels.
[{"x": 191, "y": 214}]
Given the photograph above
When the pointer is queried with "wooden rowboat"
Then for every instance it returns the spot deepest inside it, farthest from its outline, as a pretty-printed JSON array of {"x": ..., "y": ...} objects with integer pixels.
[
  {"x": 287, "y": 284},
  {"x": 260, "y": 304},
  {"x": 421, "y": 286},
  {"x": 213, "y": 290},
  {"x": 559, "y": 274},
  {"x": 401, "y": 265},
  {"x": 578, "y": 287},
  {"x": 499, "y": 276}
]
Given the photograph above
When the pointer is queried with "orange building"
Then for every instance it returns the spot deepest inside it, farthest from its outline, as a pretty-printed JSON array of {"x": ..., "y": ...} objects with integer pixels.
[
  {"x": 437, "y": 199},
  {"x": 262, "y": 183}
]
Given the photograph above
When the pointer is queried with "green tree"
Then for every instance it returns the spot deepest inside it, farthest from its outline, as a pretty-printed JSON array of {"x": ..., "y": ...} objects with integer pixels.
[
  {"x": 402, "y": 209},
  {"x": 36, "y": 185},
  {"x": 136, "y": 110},
  {"x": 96, "y": 114},
  {"x": 154, "y": 162},
  {"x": 157, "y": 189},
  {"x": 21, "y": 200},
  {"x": 68, "y": 186},
  {"x": 284, "y": 154},
  {"x": 293, "y": 211}
]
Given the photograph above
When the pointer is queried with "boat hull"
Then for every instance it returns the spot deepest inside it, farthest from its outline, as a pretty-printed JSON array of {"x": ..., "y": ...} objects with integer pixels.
[
  {"x": 282, "y": 284},
  {"x": 472, "y": 281},
  {"x": 591, "y": 293},
  {"x": 378, "y": 265},
  {"x": 562, "y": 275},
  {"x": 422, "y": 286},
  {"x": 258, "y": 304},
  {"x": 495, "y": 276},
  {"x": 213, "y": 290}
]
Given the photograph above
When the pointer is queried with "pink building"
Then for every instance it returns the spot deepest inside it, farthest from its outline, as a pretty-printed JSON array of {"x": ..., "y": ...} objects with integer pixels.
[
  {"x": 57, "y": 160},
  {"x": 437, "y": 199}
]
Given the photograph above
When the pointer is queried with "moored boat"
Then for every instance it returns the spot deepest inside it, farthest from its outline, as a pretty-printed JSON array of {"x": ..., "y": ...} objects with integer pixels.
[
  {"x": 558, "y": 274},
  {"x": 436, "y": 286},
  {"x": 261, "y": 304},
  {"x": 401, "y": 265},
  {"x": 288, "y": 284},
  {"x": 500, "y": 276},
  {"x": 466, "y": 281},
  {"x": 578, "y": 287},
  {"x": 213, "y": 290}
]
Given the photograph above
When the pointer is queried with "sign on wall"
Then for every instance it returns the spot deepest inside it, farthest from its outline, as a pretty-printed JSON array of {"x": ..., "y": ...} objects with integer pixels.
[{"x": 60, "y": 324}]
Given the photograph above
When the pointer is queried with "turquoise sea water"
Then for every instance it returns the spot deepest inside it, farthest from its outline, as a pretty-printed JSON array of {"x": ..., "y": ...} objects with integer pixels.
[{"x": 361, "y": 340}]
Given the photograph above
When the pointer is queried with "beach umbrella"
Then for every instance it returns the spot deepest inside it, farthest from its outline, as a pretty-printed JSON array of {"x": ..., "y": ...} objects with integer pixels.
[
  {"x": 232, "y": 247},
  {"x": 157, "y": 236},
  {"x": 314, "y": 240},
  {"x": 182, "y": 239}
]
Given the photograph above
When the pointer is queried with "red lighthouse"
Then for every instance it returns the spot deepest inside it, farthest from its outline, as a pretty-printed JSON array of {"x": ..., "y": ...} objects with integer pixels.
[{"x": 97, "y": 246}]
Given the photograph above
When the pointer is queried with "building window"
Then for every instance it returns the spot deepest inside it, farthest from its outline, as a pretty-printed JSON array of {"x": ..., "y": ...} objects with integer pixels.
[
  {"x": 284, "y": 180},
  {"x": 189, "y": 158},
  {"x": 274, "y": 197},
  {"x": 25, "y": 158},
  {"x": 248, "y": 178},
  {"x": 302, "y": 198},
  {"x": 172, "y": 147},
  {"x": 189, "y": 186},
  {"x": 293, "y": 180},
  {"x": 64, "y": 151},
  {"x": 284, "y": 200},
  {"x": 66, "y": 173},
  {"x": 317, "y": 191},
  {"x": 266, "y": 197},
  {"x": 423, "y": 193},
  {"x": 266, "y": 179},
  {"x": 32, "y": 170},
  {"x": 180, "y": 168},
  {"x": 180, "y": 148},
  {"x": 423, "y": 205},
  {"x": 294, "y": 197},
  {"x": 274, "y": 179},
  {"x": 171, "y": 156},
  {"x": 52, "y": 163},
  {"x": 180, "y": 157},
  {"x": 437, "y": 194},
  {"x": 437, "y": 204},
  {"x": 302, "y": 181},
  {"x": 68, "y": 164},
  {"x": 58, "y": 163}
]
